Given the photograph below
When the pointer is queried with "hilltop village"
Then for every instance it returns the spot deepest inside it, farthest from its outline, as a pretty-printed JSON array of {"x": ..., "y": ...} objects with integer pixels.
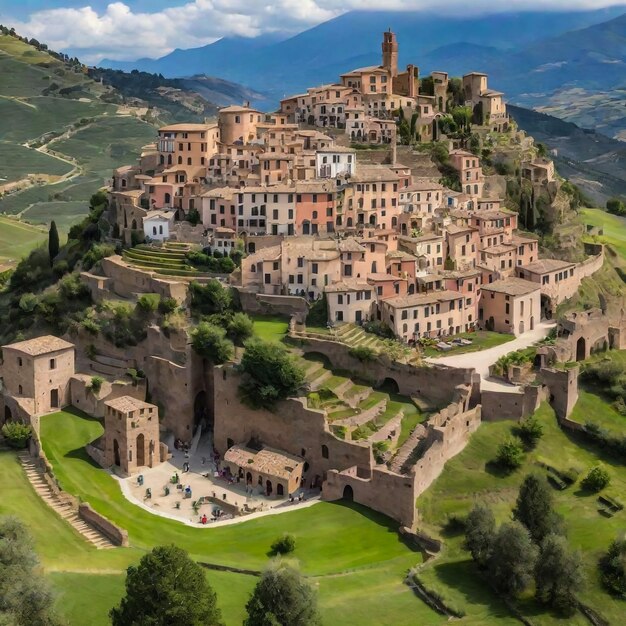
[{"x": 369, "y": 201}]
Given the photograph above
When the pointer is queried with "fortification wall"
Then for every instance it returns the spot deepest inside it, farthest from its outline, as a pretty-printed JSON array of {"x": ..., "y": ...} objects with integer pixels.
[
  {"x": 563, "y": 389},
  {"x": 291, "y": 427},
  {"x": 511, "y": 405},
  {"x": 384, "y": 491},
  {"x": 84, "y": 398}
]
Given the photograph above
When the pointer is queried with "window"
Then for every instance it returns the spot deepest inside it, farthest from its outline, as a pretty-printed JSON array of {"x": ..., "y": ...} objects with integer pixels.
[
  {"x": 324, "y": 451},
  {"x": 314, "y": 268},
  {"x": 19, "y": 389},
  {"x": 53, "y": 364},
  {"x": 19, "y": 361}
]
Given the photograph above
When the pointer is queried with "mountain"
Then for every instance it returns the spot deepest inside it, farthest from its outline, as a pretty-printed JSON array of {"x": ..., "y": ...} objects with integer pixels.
[
  {"x": 321, "y": 53},
  {"x": 595, "y": 162}
]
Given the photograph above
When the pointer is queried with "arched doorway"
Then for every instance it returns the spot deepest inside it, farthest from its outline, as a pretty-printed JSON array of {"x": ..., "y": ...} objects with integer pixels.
[
  {"x": 141, "y": 450},
  {"x": 8, "y": 416},
  {"x": 581, "y": 349},
  {"x": 280, "y": 490},
  {"x": 201, "y": 413},
  {"x": 248, "y": 478},
  {"x": 268, "y": 487},
  {"x": 532, "y": 323},
  {"x": 348, "y": 493},
  {"x": 116, "y": 453}
]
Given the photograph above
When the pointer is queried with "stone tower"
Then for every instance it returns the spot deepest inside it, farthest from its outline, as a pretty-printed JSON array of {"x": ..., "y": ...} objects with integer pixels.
[{"x": 390, "y": 53}]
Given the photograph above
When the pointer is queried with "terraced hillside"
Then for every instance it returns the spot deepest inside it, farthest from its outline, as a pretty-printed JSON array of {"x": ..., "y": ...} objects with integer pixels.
[
  {"x": 59, "y": 140},
  {"x": 170, "y": 260}
]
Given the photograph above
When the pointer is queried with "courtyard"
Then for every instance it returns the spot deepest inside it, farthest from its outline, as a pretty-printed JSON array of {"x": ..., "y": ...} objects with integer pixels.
[{"x": 192, "y": 487}]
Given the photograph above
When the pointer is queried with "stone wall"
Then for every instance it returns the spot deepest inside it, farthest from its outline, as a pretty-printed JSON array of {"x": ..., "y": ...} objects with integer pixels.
[
  {"x": 383, "y": 491},
  {"x": 263, "y": 304},
  {"x": 511, "y": 405},
  {"x": 434, "y": 383},
  {"x": 117, "y": 535},
  {"x": 291, "y": 427},
  {"x": 83, "y": 398}
]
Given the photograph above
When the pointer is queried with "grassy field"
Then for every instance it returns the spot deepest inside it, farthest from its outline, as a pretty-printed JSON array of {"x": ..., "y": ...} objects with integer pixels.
[
  {"x": 352, "y": 555},
  {"x": 17, "y": 162},
  {"x": 18, "y": 239},
  {"x": 614, "y": 228},
  {"x": 107, "y": 140},
  {"x": 468, "y": 478},
  {"x": 270, "y": 327}
]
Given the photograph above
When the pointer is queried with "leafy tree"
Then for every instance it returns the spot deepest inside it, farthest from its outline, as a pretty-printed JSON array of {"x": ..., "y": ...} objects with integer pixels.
[
  {"x": 17, "y": 434},
  {"x": 596, "y": 480},
  {"x": 282, "y": 598},
  {"x": 28, "y": 302},
  {"x": 558, "y": 575},
  {"x": 167, "y": 588},
  {"x": 530, "y": 431},
  {"x": 210, "y": 298},
  {"x": 53, "y": 242},
  {"x": 240, "y": 328},
  {"x": 25, "y": 597},
  {"x": 167, "y": 305},
  {"x": 463, "y": 118},
  {"x": 534, "y": 508},
  {"x": 510, "y": 454},
  {"x": 318, "y": 312},
  {"x": 512, "y": 560},
  {"x": 270, "y": 373},
  {"x": 210, "y": 342},
  {"x": 615, "y": 206},
  {"x": 480, "y": 529},
  {"x": 613, "y": 568}
]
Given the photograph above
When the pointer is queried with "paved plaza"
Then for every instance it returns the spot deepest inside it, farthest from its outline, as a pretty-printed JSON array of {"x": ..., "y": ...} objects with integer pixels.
[{"x": 217, "y": 499}]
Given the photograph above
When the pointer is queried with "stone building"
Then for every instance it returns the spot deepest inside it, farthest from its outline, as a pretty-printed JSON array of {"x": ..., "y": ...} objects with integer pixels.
[
  {"x": 36, "y": 376},
  {"x": 510, "y": 305},
  {"x": 277, "y": 473},
  {"x": 131, "y": 432}
]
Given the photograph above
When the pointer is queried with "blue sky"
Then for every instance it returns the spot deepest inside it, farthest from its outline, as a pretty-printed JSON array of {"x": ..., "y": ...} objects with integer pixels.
[{"x": 130, "y": 29}]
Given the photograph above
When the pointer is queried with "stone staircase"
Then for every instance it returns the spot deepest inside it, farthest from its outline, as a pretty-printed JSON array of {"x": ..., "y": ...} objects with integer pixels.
[
  {"x": 402, "y": 456},
  {"x": 63, "y": 508}
]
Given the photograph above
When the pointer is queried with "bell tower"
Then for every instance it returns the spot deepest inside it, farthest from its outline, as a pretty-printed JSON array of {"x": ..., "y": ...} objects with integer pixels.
[{"x": 390, "y": 53}]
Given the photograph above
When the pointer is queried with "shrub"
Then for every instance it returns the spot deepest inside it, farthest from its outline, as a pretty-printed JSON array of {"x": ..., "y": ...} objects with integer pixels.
[
  {"x": 364, "y": 354},
  {"x": 210, "y": 342},
  {"x": 17, "y": 434},
  {"x": 530, "y": 432},
  {"x": 167, "y": 305},
  {"x": 284, "y": 544},
  {"x": 510, "y": 454},
  {"x": 96, "y": 384},
  {"x": 379, "y": 449},
  {"x": 378, "y": 328},
  {"x": 596, "y": 480}
]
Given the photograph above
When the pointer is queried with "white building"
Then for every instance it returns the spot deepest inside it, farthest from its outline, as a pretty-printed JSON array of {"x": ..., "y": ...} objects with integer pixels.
[
  {"x": 335, "y": 161},
  {"x": 156, "y": 225}
]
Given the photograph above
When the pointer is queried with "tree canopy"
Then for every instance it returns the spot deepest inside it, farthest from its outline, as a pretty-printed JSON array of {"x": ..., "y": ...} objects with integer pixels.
[
  {"x": 270, "y": 373},
  {"x": 167, "y": 588},
  {"x": 210, "y": 342},
  {"x": 282, "y": 598},
  {"x": 534, "y": 508},
  {"x": 480, "y": 529},
  {"x": 25, "y": 597},
  {"x": 53, "y": 242}
]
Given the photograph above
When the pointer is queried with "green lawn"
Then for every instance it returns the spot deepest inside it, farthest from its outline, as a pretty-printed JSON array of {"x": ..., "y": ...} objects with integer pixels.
[
  {"x": 614, "y": 228},
  {"x": 270, "y": 327},
  {"x": 593, "y": 408},
  {"x": 481, "y": 340},
  {"x": 353, "y": 555},
  {"x": 467, "y": 479}
]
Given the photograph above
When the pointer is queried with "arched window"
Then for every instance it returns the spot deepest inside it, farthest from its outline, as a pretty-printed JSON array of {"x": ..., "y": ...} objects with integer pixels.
[
  {"x": 180, "y": 160},
  {"x": 325, "y": 451},
  {"x": 154, "y": 230},
  {"x": 162, "y": 159},
  {"x": 167, "y": 198},
  {"x": 160, "y": 230},
  {"x": 169, "y": 159}
]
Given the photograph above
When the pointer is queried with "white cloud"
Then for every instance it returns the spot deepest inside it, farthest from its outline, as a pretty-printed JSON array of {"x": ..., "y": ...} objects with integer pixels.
[{"x": 120, "y": 33}]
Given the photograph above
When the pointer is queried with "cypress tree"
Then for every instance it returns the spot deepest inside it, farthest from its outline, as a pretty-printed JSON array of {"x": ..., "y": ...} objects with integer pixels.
[{"x": 53, "y": 242}]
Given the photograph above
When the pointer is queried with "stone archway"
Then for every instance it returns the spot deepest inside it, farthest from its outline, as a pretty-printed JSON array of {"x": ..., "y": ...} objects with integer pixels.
[
  {"x": 348, "y": 493},
  {"x": 581, "y": 349},
  {"x": 390, "y": 385},
  {"x": 268, "y": 488}
]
